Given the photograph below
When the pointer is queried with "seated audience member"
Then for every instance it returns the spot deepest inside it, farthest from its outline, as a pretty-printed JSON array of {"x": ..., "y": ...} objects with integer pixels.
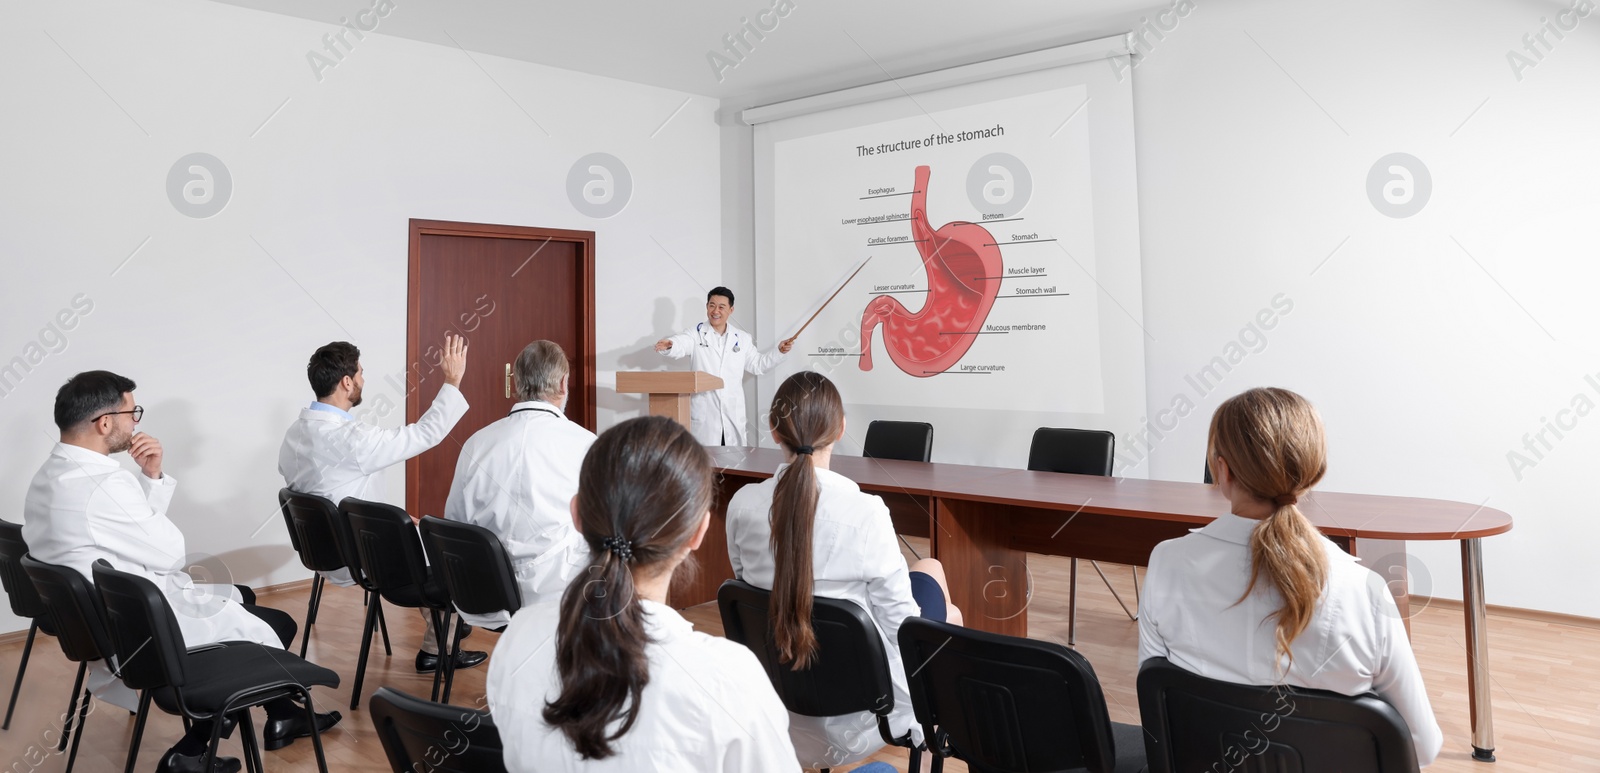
[
  {"x": 1259, "y": 596},
  {"x": 83, "y": 506},
  {"x": 808, "y": 531},
  {"x": 610, "y": 678},
  {"x": 516, "y": 478},
  {"x": 327, "y": 452}
]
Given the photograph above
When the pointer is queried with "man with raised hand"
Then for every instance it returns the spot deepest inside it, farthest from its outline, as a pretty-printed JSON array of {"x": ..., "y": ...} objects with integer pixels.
[{"x": 327, "y": 452}]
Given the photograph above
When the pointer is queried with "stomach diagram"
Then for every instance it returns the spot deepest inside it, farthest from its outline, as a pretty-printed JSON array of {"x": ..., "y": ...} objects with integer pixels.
[{"x": 963, "y": 268}]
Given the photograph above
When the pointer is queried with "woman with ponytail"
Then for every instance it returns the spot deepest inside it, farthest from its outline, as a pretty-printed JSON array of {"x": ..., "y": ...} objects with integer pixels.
[
  {"x": 1259, "y": 596},
  {"x": 808, "y": 531},
  {"x": 610, "y": 678}
]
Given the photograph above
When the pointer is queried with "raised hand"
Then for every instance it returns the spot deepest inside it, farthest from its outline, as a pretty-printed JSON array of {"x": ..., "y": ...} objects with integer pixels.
[{"x": 454, "y": 360}]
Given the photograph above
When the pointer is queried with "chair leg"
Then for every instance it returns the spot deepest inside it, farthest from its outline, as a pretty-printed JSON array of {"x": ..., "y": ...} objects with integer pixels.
[
  {"x": 316, "y": 735},
  {"x": 361, "y": 662},
  {"x": 439, "y": 638},
  {"x": 247, "y": 738},
  {"x": 83, "y": 716},
  {"x": 312, "y": 605},
  {"x": 450, "y": 664},
  {"x": 1107, "y": 580},
  {"x": 1072, "y": 605},
  {"x": 210, "y": 760},
  {"x": 915, "y": 763},
  {"x": 22, "y": 668},
  {"x": 138, "y": 730},
  {"x": 72, "y": 707},
  {"x": 383, "y": 628}
]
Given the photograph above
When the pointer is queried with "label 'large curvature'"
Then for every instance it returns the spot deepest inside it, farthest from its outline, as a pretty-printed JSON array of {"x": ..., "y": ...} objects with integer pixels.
[{"x": 963, "y": 266}]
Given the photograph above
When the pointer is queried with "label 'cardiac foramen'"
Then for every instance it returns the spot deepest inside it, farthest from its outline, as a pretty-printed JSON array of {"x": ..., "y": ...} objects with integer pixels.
[{"x": 963, "y": 267}]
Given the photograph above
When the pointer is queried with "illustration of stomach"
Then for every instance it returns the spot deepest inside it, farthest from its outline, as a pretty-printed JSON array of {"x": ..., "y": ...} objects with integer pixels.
[{"x": 963, "y": 266}]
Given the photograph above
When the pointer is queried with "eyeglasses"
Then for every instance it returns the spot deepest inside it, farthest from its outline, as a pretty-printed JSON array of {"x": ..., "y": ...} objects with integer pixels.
[{"x": 138, "y": 414}]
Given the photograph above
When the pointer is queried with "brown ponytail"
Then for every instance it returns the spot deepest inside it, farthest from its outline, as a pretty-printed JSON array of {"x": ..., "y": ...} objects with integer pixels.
[
  {"x": 643, "y": 490},
  {"x": 807, "y": 414},
  {"x": 1272, "y": 443}
]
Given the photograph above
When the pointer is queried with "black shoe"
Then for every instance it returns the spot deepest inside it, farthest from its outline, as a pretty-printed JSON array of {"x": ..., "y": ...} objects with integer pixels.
[
  {"x": 462, "y": 629},
  {"x": 178, "y": 763},
  {"x": 279, "y": 733},
  {"x": 428, "y": 663}
]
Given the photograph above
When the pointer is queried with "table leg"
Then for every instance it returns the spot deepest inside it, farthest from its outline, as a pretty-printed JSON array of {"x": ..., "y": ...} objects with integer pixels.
[
  {"x": 988, "y": 579},
  {"x": 1474, "y": 606}
]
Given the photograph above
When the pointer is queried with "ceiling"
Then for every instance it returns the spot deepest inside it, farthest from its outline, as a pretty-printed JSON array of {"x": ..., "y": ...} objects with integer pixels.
[{"x": 816, "y": 45}]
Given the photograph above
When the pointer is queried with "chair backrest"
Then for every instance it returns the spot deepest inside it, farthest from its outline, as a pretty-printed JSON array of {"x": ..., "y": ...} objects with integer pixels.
[
  {"x": 850, "y": 673},
  {"x": 389, "y": 550},
  {"x": 283, "y": 509},
  {"x": 1193, "y": 723},
  {"x": 423, "y": 735},
  {"x": 474, "y": 564},
  {"x": 25, "y": 601},
  {"x": 74, "y": 610},
  {"x": 313, "y": 530},
  {"x": 144, "y": 632},
  {"x": 911, "y": 441},
  {"x": 1078, "y": 451},
  {"x": 1208, "y": 472},
  {"x": 1005, "y": 703}
]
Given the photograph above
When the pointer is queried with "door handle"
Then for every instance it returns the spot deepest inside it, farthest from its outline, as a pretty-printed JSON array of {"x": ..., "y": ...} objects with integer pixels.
[{"x": 508, "y": 380}]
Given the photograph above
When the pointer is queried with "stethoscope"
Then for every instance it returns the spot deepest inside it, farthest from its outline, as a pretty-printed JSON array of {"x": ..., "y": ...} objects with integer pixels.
[
  {"x": 701, "y": 329},
  {"x": 540, "y": 408}
]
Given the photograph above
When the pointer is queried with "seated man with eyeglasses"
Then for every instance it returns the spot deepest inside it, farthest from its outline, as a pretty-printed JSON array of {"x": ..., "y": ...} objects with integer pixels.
[{"x": 83, "y": 506}]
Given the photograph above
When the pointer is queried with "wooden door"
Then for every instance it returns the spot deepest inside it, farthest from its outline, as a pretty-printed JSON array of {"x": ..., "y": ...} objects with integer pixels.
[{"x": 501, "y": 287}]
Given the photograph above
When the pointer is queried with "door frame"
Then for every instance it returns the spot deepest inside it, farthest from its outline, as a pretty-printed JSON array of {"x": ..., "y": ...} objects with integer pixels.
[{"x": 583, "y": 360}]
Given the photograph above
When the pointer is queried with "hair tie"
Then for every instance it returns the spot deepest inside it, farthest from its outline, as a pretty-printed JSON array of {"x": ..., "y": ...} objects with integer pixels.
[
  {"x": 619, "y": 547},
  {"x": 1285, "y": 500},
  {"x": 803, "y": 449}
]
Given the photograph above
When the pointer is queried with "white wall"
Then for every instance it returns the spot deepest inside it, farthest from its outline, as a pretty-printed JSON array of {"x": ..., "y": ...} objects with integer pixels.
[
  {"x": 1428, "y": 364},
  {"x": 215, "y": 331}
]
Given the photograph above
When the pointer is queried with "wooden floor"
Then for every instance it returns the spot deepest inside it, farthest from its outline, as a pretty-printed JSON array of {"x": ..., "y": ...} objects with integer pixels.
[{"x": 1546, "y": 683}]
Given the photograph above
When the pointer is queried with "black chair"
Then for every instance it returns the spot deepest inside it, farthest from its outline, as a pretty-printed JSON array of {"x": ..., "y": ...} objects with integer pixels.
[
  {"x": 910, "y": 441},
  {"x": 74, "y": 611},
  {"x": 391, "y": 556},
  {"x": 25, "y": 602},
  {"x": 322, "y": 538},
  {"x": 212, "y": 682},
  {"x": 1208, "y": 473},
  {"x": 1007, "y": 704},
  {"x": 1079, "y": 452},
  {"x": 423, "y": 735},
  {"x": 850, "y": 673},
  {"x": 1195, "y": 723},
  {"x": 476, "y": 569}
]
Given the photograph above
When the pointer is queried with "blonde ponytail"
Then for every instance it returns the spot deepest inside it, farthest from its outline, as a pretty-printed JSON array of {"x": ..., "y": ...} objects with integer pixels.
[{"x": 1287, "y": 549}]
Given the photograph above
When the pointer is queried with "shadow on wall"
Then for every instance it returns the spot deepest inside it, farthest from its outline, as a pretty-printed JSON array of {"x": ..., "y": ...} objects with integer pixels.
[
  {"x": 639, "y": 355},
  {"x": 239, "y": 536}
]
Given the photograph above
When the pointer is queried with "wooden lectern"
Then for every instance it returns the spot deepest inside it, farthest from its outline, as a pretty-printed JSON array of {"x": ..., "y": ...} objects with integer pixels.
[{"x": 669, "y": 390}]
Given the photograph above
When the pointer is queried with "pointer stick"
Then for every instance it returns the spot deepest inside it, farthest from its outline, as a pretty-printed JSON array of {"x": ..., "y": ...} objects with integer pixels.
[{"x": 830, "y": 299}]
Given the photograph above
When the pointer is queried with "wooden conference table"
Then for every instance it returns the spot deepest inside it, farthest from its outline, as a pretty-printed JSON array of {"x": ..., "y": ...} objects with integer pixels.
[{"x": 981, "y": 522}]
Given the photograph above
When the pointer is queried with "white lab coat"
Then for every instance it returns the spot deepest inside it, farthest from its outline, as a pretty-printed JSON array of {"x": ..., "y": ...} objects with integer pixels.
[
  {"x": 83, "y": 506},
  {"x": 855, "y": 557},
  {"x": 718, "y": 415},
  {"x": 330, "y": 456},
  {"x": 1191, "y": 614},
  {"x": 707, "y": 709},
  {"x": 516, "y": 478}
]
